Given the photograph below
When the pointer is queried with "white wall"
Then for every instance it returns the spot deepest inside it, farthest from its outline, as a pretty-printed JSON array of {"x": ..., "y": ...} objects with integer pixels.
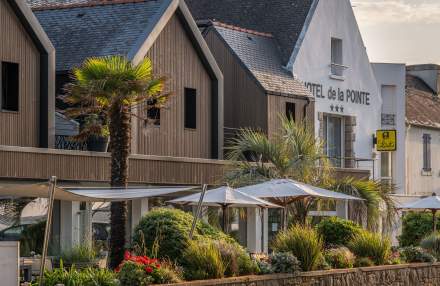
[
  {"x": 418, "y": 182},
  {"x": 9, "y": 263},
  {"x": 391, "y": 81},
  {"x": 335, "y": 18}
]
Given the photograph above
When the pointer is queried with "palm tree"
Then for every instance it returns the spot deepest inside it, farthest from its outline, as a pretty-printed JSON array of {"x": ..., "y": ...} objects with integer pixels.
[
  {"x": 292, "y": 153},
  {"x": 114, "y": 90},
  {"x": 295, "y": 153}
]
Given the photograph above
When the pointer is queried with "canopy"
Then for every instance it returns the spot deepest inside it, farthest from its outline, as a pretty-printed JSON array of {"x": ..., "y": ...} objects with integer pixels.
[
  {"x": 89, "y": 194},
  {"x": 225, "y": 196},
  {"x": 286, "y": 188},
  {"x": 428, "y": 203},
  {"x": 431, "y": 203}
]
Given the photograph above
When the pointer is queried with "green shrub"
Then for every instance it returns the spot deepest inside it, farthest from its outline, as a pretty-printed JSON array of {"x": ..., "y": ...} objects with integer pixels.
[
  {"x": 303, "y": 242},
  {"x": 163, "y": 233},
  {"x": 284, "y": 262},
  {"x": 79, "y": 254},
  {"x": 412, "y": 254},
  {"x": 134, "y": 274},
  {"x": 337, "y": 231},
  {"x": 236, "y": 259},
  {"x": 415, "y": 226},
  {"x": 203, "y": 260},
  {"x": 86, "y": 277},
  {"x": 431, "y": 244},
  {"x": 340, "y": 258},
  {"x": 372, "y": 245},
  {"x": 363, "y": 262}
]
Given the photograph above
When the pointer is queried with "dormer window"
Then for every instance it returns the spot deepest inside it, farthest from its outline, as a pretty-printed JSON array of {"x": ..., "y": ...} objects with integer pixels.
[{"x": 337, "y": 59}]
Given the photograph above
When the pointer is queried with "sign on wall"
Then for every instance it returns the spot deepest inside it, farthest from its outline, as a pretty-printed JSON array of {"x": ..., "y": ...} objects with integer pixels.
[{"x": 386, "y": 140}]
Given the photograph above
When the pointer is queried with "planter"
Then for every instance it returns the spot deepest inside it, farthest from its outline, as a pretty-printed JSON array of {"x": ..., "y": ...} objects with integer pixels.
[{"x": 97, "y": 143}]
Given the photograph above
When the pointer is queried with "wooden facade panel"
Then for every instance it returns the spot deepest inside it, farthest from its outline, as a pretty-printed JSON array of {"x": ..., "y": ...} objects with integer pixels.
[
  {"x": 40, "y": 164},
  {"x": 276, "y": 106},
  {"x": 174, "y": 56},
  {"x": 20, "y": 128},
  {"x": 245, "y": 102}
]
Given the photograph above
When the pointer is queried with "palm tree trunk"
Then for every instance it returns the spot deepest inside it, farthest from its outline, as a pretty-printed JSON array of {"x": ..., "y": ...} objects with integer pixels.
[{"x": 120, "y": 136}]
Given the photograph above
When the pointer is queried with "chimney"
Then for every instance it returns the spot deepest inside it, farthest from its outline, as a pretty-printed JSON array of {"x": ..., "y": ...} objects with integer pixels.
[{"x": 429, "y": 73}]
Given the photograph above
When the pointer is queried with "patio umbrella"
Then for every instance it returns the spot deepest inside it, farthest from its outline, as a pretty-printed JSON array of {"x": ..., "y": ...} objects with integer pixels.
[
  {"x": 286, "y": 191},
  {"x": 224, "y": 197},
  {"x": 431, "y": 203}
]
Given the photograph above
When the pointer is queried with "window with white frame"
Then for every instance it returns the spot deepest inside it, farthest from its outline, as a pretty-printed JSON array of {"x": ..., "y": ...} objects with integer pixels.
[
  {"x": 426, "y": 152},
  {"x": 337, "y": 58}
]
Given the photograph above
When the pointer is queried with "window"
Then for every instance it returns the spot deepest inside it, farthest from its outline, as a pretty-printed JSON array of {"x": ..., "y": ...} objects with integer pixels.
[
  {"x": 190, "y": 108},
  {"x": 290, "y": 110},
  {"x": 153, "y": 112},
  {"x": 426, "y": 152},
  {"x": 334, "y": 138},
  {"x": 9, "y": 86},
  {"x": 337, "y": 61}
]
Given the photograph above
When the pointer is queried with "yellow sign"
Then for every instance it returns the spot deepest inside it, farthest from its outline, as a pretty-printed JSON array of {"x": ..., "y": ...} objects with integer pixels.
[{"x": 386, "y": 140}]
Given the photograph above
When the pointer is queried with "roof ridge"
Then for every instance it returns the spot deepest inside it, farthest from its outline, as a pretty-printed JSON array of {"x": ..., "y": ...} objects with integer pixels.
[
  {"x": 92, "y": 3},
  {"x": 240, "y": 29}
]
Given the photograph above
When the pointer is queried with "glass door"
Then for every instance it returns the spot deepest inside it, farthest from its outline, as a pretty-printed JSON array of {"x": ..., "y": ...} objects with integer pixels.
[{"x": 334, "y": 138}]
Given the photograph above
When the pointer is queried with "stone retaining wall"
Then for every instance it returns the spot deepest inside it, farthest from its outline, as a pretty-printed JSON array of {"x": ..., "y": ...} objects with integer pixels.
[{"x": 395, "y": 275}]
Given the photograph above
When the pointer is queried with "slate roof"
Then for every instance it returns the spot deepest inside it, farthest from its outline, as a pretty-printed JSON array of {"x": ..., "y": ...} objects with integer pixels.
[
  {"x": 422, "y": 104},
  {"x": 35, "y": 4},
  {"x": 258, "y": 53},
  {"x": 79, "y": 32},
  {"x": 284, "y": 19}
]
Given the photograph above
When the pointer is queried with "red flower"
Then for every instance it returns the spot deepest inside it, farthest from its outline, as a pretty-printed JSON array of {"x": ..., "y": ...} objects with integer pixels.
[
  {"x": 148, "y": 269},
  {"x": 157, "y": 265},
  {"x": 127, "y": 255}
]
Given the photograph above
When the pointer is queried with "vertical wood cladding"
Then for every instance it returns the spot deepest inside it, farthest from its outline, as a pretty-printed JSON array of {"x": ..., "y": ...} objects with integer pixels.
[
  {"x": 173, "y": 55},
  {"x": 277, "y": 105},
  {"x": 245, "y": 102},
  {"x": 20, "y": 128}
]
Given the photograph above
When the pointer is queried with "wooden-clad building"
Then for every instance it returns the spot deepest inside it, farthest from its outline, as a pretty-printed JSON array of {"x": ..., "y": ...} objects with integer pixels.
[
  {"x": 26, "y": 78},
  {"x": 191, "y": 123}
]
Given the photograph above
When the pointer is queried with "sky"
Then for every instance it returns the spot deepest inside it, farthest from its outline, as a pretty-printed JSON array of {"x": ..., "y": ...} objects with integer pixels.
[{"x": 400, "y": 31}]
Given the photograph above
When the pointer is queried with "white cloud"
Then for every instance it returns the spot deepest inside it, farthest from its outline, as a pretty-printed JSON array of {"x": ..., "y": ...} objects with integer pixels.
[{"x": 371, "y": 12}]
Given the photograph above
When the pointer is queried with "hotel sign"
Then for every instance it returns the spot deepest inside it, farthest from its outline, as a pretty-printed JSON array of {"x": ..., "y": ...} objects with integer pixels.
[
  {"x": 386, "y": 140},
  {"x": 338, "y": 94}
]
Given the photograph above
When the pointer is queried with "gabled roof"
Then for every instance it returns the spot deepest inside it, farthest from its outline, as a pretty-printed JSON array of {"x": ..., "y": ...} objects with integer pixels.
[
  {"x": 97, "y": 28},
  {"x": 257, "y": 52},
  {"x": 422, "y": 104},
  {"x": 284, "y": 19}
]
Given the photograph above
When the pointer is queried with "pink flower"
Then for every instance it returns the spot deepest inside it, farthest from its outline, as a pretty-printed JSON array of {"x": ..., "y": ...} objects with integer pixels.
[{"x": 127, "y": 255}]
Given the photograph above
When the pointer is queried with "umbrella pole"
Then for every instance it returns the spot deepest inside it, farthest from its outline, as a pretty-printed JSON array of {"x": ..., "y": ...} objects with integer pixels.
[
  {"x": 198, "y": 211},
  {"x": 225, "y": 218},
  {"x": 53, "y": 182},
  {"x": 434, "y": 220},
  {"x": 285, "y": 218}
]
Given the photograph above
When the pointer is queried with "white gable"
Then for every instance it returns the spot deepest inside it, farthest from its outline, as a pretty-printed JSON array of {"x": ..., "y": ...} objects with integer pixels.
[{"x": 357, "y": 93}]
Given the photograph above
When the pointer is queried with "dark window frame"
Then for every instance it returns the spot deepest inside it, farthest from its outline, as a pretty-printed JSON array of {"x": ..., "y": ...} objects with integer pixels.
[
  {"x": 291, "y": 106},
  {"x": 427, "y": 167},
  {"x": 9, "y": 83},
  {"x": 190, "y": 108}
]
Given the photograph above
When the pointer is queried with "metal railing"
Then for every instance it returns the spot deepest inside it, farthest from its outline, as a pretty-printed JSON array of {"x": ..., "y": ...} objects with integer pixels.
[{"x": 64, "y": 142}]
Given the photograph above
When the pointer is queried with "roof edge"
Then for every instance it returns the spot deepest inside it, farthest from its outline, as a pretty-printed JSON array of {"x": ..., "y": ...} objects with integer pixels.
[{"x": 302, "y": 35}]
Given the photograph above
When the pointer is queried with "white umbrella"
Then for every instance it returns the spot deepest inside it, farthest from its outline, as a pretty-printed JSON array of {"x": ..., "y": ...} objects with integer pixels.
[
  {"x": 286, "y": 191},
  {"x": 224, "y": 197},
  {"x": 431, "y": 203}
]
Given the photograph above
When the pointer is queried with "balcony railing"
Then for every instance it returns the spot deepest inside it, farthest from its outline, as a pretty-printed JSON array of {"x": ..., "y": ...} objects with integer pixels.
[
  {"x": 39, "y": 164},
  {"x": 63, "y": 142}
]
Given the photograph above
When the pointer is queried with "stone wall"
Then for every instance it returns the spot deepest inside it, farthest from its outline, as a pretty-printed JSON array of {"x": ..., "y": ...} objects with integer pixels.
[{"x": 395, "y": 275}]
